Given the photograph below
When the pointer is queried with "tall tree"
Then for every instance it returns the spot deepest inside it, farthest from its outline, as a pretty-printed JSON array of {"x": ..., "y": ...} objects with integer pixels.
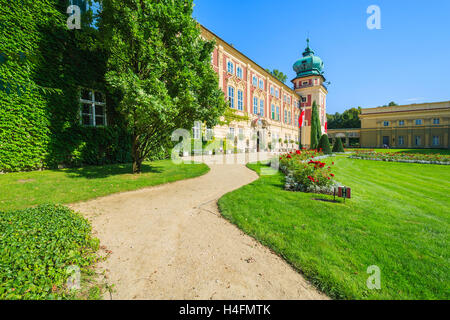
[
  {"x": 160, "y": 67},
  {"x": 315, "y": 127},
  {"x": 348, "y": 119},
  {"x": 278, "y": 74}
]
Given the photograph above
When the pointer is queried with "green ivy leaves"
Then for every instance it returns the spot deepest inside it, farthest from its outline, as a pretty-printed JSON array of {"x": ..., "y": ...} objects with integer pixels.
[{"x": 38, "y": 244}]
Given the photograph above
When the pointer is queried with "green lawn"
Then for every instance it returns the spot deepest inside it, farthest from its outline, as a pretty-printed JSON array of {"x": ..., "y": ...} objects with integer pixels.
[
  {"x": 26, "y": 189},
  {"x": 397, "y": 220}
]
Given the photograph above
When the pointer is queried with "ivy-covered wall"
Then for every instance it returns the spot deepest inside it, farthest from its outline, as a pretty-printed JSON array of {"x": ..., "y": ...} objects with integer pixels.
[{"x": 43, "y": 65}]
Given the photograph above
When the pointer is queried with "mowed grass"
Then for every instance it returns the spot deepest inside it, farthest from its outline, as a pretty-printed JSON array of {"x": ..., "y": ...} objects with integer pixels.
[
  {"x": 27, "y": 189},
  {"x": 397, "y": 220}
]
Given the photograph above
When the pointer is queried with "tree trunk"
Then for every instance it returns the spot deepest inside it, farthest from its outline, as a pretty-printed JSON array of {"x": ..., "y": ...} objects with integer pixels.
[{"x": 137, "y": 160}]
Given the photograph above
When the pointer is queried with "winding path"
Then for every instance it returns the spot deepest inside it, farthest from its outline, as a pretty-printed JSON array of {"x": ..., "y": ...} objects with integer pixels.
[{"x": 170, "y": 242}]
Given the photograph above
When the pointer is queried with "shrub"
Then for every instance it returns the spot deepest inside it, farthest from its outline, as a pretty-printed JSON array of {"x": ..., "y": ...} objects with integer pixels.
[
  {"x": 338, "y": 147},
  {"x": 324, "y": 144},
  {"x": 307, "y": 176},
  {"x": 37, "y": 246}
]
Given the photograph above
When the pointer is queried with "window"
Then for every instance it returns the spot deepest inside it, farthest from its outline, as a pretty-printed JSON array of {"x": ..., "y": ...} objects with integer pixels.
[
  {"x": 285, "y": 116},
  {"x": 232, "y": 132},
  {"x": 276, "y": 93},
  {"x": 401, "y": 123},
  {"x": 436, "y": 121},
  {"x": 289, "y": 100},
  {"x": 255, "y": 81},
  {"x": 303, "y": 99},
  {"x": 418, "y": 141},
  {"x": 273, "y": 112},
  {"x": 197, "y": 130},
  {"x": 284, "y": 98},
  {"x": 230, "y": 67},
  {"x": 255, "y": 105},
  {"x": 386, "y": 123},
  {"x": 239, "y": 72},
  {"x": 271, "y": 91},
  {"x": 401, "y": 141},
  {"x": 290, "y": 117},
  {"x": 261, "y": 84},
  {"x": 278, "y": 113},
  {"x": 261, "y": 108},
  {"x": 93, "y": 108},
  {"x": 240, "y": 100},
  {"x": 209, "y": 134},
  {"x": 231, "y": 96},
  {"x": 241, "y": 132},
  {"x": 419, "y": 122},
  {"x": 436, "y": 141}
]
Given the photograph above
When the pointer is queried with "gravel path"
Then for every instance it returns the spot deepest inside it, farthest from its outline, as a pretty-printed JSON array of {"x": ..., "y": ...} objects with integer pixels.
[{"x": 170, "y": 242}]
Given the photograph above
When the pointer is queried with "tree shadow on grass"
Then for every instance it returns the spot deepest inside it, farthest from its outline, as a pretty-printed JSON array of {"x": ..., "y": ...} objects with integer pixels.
[{"x": 101, "y": 172}]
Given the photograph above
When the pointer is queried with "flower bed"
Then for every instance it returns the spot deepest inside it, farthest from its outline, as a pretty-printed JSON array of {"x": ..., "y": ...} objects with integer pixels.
[
  {"x": 402, "y": 157},
  {"x": 305, "y": 173}
]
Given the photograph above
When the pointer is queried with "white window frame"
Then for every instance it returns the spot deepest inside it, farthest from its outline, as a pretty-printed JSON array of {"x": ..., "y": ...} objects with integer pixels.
[
  {"x": 261, "y": 84},
  {"x": 436, "y": 141},
  {"x": 92, "y": 104},
  {"x": 436, "y": 121},
  {"x": 401, "y": 140},
  {"x": 240, "y": 100},
  {"x": 401, "y": 123},
  {"x": 261, "y": 107},
  {"x": 255, "y": 105},
  {"x": 255, "y": 81},
  {"x": 231, "y": 96},
  {"x": 240, "y": 72},
  {"x": 386, "y": 123},
  {"x": 418, "y": 139},
  {"x": 230, "y": 67},
  {"x": 196, "y": 131},
  {"x": 419, "y": 122}
]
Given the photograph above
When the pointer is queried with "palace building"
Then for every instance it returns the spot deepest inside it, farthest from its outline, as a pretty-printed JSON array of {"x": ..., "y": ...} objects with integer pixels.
[
  {"x": 423, "y": 125},
  {"x": 273, "y": 108},
  {"x": 416, "y": 126}
]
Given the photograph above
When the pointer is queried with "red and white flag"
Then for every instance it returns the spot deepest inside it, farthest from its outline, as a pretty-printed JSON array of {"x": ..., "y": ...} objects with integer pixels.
[{"x": 301, "y": 119}]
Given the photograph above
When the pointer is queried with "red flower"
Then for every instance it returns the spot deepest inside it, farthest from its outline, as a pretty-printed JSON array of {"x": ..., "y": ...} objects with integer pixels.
[{"x": 332, "y": 175}]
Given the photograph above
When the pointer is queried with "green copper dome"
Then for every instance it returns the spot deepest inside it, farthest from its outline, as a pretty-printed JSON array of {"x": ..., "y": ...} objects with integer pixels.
[{"x": 309, "y": 64}]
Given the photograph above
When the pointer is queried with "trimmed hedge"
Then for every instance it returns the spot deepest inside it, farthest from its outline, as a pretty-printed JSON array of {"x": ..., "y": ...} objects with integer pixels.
[
  {"x": 37, "y": 246},
  {"x": 338, "y": 147},
  {"x": 324, "y": 144}
]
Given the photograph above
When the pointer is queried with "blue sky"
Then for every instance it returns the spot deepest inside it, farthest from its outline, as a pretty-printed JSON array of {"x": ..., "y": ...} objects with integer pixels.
[{"x": 407, "y": 61}]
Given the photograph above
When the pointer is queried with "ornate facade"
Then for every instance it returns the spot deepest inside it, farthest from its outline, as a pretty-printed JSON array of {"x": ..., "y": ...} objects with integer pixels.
[{"x": 272, "y": 107}]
